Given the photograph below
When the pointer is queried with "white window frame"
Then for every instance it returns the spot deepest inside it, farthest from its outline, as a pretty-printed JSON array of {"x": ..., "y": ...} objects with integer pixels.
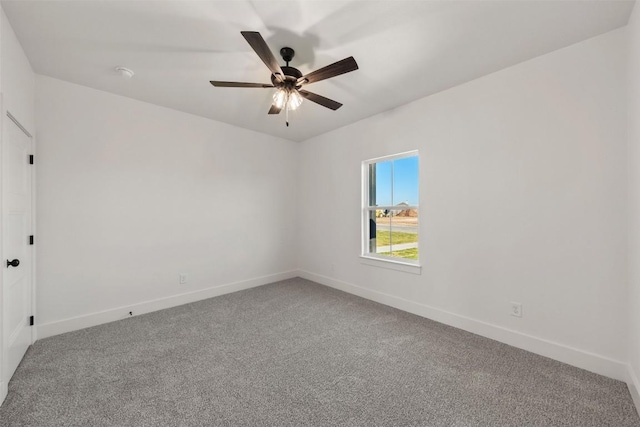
[{"x": 374, "y": 259}]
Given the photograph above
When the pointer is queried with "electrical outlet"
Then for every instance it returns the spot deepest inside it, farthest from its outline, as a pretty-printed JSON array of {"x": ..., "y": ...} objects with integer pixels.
[
  {"x": 516, "y": 309},
  {"x": 184, "y": 277}
]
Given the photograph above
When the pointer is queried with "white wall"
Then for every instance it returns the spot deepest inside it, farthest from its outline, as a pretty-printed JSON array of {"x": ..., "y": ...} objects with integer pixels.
[
  {"x": 634, "y": 201},
  {"x": 523, "y": 189},
  {"x": 131, "y": 194},
  {"x": 17, "y": 78},
  {"x": 17, "y": 89}
]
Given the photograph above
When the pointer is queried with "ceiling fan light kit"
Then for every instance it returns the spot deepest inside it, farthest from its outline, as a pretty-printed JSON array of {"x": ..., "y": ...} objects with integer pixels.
[
  {"x": 290, "y": 99},
  {"x": 288, "y": 81}
]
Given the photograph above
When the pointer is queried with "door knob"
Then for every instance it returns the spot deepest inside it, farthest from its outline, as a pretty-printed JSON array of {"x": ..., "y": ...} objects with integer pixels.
[{"x": 14, "y": 263}]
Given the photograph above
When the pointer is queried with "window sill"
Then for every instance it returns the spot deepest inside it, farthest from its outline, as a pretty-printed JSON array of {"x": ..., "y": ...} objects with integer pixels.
[{"x": 391, "y": 264}]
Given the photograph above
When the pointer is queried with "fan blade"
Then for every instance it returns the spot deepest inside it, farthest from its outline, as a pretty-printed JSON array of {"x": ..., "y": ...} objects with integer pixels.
[
  {"x": 345, "y": 66},
  {"x": 258, "y": 44},
  {"x": 274, "y": 110},
  {"x": 238, "y": 84},
  {"x": 325, "y": 102}
]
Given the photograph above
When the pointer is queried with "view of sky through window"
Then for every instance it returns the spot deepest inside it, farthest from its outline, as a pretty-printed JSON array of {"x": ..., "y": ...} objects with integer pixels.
[{"x": 404, "y": 182}]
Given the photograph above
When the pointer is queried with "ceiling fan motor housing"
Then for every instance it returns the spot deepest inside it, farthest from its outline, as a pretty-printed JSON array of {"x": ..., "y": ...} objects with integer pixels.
[{"x": 291, "y": 76}]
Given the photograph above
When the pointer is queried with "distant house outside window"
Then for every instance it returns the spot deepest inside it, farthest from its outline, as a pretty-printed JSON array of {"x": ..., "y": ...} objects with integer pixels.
[{"x": 390, "y": 208}]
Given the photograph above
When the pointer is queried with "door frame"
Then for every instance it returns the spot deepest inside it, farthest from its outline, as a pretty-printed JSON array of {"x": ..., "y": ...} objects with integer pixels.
[{"x": 4, "y": 121}]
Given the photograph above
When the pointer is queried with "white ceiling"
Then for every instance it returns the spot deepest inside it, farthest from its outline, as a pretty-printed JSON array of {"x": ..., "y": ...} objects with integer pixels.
[{"x": 405, "y": 49}]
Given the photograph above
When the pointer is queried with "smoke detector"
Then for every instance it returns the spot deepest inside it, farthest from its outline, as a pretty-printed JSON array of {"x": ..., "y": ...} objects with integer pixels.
[{"x": 124, "y": 72}]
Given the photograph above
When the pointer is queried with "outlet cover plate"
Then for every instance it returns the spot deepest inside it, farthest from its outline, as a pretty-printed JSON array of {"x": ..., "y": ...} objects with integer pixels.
[{"x": 516, "y": 309}]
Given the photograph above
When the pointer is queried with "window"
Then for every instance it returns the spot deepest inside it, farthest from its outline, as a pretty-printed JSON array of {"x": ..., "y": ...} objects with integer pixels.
[{"x": 390, "y": 208}]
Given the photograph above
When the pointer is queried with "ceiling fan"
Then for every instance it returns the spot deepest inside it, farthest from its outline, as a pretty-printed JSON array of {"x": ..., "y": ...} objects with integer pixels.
[{"x": 287, "y": 80}]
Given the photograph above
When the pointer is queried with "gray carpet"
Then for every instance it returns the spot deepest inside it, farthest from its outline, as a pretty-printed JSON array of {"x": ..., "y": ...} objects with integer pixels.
[{"x": 295, "y": 353}]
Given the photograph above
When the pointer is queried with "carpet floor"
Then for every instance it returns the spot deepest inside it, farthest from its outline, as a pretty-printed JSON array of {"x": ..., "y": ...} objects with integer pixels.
[{"x": 295, "y": 353}]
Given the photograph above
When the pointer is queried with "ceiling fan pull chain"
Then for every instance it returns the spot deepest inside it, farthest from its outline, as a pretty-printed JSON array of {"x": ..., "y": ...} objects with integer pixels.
[{"x": 287, "y": 113}]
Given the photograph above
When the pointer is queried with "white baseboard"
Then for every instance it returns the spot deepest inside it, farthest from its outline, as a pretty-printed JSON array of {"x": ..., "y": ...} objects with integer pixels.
[
  {"x": 634, "y": 387},
  {"x": 93, "y": 319},
  {"x": 572, "y": 356}
]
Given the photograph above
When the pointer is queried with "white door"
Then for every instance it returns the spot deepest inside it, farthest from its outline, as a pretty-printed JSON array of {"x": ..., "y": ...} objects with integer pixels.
[{"x": 16, "y": 229}]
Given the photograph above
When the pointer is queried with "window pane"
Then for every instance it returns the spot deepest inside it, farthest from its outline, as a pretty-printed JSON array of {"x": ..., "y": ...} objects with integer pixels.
[
  {"x": 404, "y": 234},
  {"x": 401, "y": 239},
  {"x": 405, "y": 181},
  {"x": 380, "y": 184}
]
